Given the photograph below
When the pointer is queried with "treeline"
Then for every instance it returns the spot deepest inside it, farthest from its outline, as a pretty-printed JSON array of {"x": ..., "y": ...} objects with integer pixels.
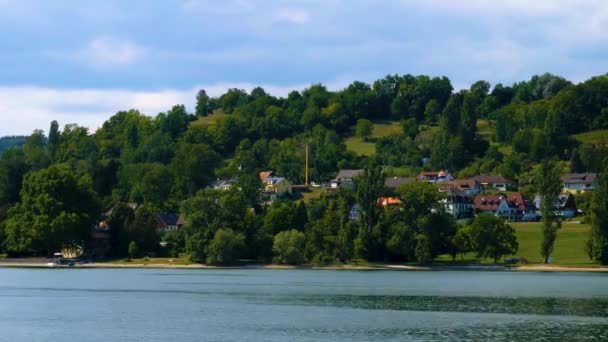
[{"x": 165, "y": 163}]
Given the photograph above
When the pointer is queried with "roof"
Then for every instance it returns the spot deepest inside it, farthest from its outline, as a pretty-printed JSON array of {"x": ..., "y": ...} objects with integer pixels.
[
  {"x": 386, "y": 201},
  {"x": 566, "y": 200},
  {"x": 487, "y": 202},
  {"x": 579, "y": 178},
  {"x": 170, "y": 219},
  {"x": 432, "y": 174},
  {"x": 265, "y": 174},
  {"x": 394, "y": 182},
  {"x": 348, "y": 174},
  {"x": 514, "y": 200},
  {"x": 491, "y": 179},
  {"x": 462, "y": 184}
]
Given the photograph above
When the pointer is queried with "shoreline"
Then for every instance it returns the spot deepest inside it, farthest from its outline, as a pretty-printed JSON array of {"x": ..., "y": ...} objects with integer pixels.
[{"x": 379, "y": 267}]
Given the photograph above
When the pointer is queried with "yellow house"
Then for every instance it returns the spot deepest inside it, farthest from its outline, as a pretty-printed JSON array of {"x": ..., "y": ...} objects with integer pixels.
[{"x": 277, "y": 185}]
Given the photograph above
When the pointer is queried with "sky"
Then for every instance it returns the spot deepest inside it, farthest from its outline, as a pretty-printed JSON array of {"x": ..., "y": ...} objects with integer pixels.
[{"x": 82, "y": 61}]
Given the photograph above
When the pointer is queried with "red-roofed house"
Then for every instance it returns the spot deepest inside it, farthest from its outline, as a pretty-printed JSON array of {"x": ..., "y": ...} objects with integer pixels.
[{"x": 512, "y": 208}]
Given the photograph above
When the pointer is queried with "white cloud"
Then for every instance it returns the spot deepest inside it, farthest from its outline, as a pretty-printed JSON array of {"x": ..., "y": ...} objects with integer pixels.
[
  {"x": 290, "y": 15},
  {"x": 107, "y": 51},
  {"x": 25, "y": 108}
]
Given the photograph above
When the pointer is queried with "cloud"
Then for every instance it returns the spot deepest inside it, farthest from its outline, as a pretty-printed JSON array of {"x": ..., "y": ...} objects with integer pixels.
[
  {"x": 107, "y": 51},
  {"x": 290, "y": 15},
  {"x": 25, "y": 108}
]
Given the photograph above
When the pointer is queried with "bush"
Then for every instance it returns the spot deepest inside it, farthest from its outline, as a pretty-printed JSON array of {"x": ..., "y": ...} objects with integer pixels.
[
  {"x": 289, "y": 247},
  {"x": 224, "y": 247}
]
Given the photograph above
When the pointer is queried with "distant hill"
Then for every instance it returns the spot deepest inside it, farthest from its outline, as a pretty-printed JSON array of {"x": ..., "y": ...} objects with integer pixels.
[{"x": 8, "y": 142}]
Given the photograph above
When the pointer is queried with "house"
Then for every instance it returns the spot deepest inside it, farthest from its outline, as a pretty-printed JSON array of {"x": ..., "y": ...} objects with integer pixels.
[
  {"x": 344, "y": 178},
  {"x": 434, "y": 176},
  {"x": 388, "y": 201},
  {"x": 169, "y": 221},
  {"x": 511, "y": 208},
  {"x": 392, "y": 183},
  {"x": 468, "y": 186},
  {"x": 566, "y": 207},
  {"x": 223, "y": 185},
  {"x": 265, "y": 174},
  {"x": 457, "y": 203},
  {"x": 493, "y": 182},
  {"x": 276, "y": 186},
  {"x": 576, "y": 183}
]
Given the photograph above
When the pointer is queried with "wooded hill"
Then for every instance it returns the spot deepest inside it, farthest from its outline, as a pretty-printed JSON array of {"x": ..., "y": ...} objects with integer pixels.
[{"x": 59, "y": 182}]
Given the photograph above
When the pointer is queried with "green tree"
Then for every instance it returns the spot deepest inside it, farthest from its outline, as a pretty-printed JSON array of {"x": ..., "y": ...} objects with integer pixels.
[
  {"x": 224, "y": 247},
  {"x": 202, "y": 103},
  {"x": 54, "y": 137},
  {"x": 370, "y": 187},
  {"x": 599, "y": 219},
  {"x": 288, "y": 247},
  {"x": 133, "y": 250},
  {"x": 56, "y": 210},
  {"x": 549, "y": 187},
  {"x": 492, "y": 238},
  {"x": 364, "y": 129}
]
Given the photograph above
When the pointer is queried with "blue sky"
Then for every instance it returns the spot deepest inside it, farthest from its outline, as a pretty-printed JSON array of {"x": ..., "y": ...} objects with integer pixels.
[{"x": 81, "y": 61}]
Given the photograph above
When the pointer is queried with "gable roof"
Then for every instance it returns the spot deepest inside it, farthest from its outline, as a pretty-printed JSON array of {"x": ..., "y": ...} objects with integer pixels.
[
  {"x": 274, "y": 180},
  {"x": 491, "y": 179},
  {"x": 265, "y": 174},
  {"x": 579, "y": 178},
  {"x": 487, "y": 202},
  {"x": 348, "y": 174},
  {"x": 170, "y": 219},
  {"x": 462, "y": 184},
  {"x": 394, "y": 182}
]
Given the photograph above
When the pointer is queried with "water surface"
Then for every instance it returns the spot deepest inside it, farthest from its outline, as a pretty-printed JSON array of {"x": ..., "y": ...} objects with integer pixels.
[{"x": 300, "y": 305}]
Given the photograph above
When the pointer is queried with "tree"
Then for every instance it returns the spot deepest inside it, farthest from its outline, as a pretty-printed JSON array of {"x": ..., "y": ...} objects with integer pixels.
[
  {"x": 364, "y": 129},
  {"x": 492, "y": 238},
  {"x": 56, "y": 210},
  {"x": 599, "y": 219},
  {"x": 54, "y": 137},
  {"x": 133, "y": 250},
  {"x": 370, "y": 187},
  {"x": 224, "y": 247},
  {"x": 202, "y": 103},
  {"x": 288, "y": 247},
  {"x": 549, "y": 187}
]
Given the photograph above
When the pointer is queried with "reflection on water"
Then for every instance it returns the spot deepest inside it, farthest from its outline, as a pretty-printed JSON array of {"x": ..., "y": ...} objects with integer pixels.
[{"x": 261, "y": 305}]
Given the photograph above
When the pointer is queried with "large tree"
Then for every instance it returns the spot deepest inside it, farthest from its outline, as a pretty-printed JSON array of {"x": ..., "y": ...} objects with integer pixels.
[
  {"x": 549, "y": 187},
  {"x": 56, "y": 210},
  {"x": 492, "y": 238},
  {"x": 599, "y": 219}
]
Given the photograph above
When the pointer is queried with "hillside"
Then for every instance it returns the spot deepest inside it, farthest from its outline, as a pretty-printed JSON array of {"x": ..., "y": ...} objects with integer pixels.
[{"x": 12, "y": 141}]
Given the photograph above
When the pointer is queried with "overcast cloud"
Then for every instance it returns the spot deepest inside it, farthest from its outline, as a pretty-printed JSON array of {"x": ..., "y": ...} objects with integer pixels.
[{"x": 77, "y": 62}]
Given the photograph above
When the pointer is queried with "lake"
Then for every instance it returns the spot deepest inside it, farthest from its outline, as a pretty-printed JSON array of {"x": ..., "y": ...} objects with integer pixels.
[{"x": 300, "y": 305}]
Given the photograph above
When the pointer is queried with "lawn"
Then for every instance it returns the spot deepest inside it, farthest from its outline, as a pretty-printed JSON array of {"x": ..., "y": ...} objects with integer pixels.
[
  {"x": 599, "y": 137},
  {"x": 367, "y": 148},
  {"x": 569, "y": 247},
  {"x": 210, "y": 120},
  {"x": 484, "y": 130}
]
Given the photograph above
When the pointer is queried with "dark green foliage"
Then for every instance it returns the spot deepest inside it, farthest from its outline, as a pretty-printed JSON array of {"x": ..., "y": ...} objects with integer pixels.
[
  {"x": 10, "y": 142},
  {"x": 599, "y": 219},
  {"x": 288, "y": 247},
  {"x": 549, "y": 187},
  {"x": 364, "y": 129},
  {"x": 133, "y": 250},
  {"x": 56, "y": 210},
  {"x": 224, "y": 247},
  {"x": 491, "y": 237},
  {"x": 167, "y": 162}
]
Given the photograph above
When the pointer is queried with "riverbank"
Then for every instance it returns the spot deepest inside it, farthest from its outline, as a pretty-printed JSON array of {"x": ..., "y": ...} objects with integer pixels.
[{"x": 43, "y": 263}]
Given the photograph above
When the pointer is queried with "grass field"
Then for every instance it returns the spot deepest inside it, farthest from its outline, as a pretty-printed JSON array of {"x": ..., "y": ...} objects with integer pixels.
[
  {"x": 484, "y": 130},
  {"x": 569, "y": 247},
  {"x": 367, "y": 148},
  {"x": 599, "y": 137},
  {"x": 212, "y": 119}
]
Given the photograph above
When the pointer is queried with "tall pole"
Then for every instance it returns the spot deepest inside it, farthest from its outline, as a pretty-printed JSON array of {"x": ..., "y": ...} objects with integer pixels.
[{"x": 306, "y": 167}]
